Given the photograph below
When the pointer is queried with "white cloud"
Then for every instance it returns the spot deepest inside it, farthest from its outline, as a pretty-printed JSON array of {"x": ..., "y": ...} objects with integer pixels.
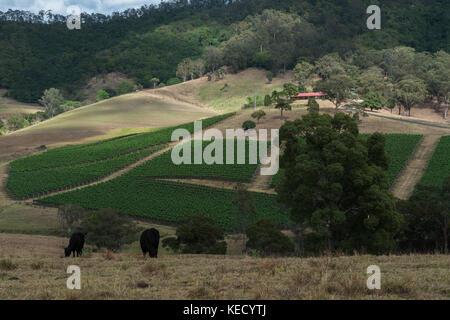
[{"x": 60, "y": 6}]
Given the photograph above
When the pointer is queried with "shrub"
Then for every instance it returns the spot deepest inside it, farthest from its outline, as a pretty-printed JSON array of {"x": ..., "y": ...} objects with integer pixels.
[
  {"x": 102, "y": 95},
  {"x": 198, "y": 234},
  {"x": 107, "y": 229},
  {"x": 125, "y": 87},
  {"x": 267, "y": 100},
  {"x": 266, "y": 239},
  {"x": 16, "y": 122},
  {"x": 258, "y": 114},
  {"x": 111, "y": 92},
  {"x": 313, "y": 106},
  {"x": 70, "y": 105},
  {"x": 269, "y": 76},
  {"x": 173, "y": 81},
  {"x": 70, "y": 217},
  {"x": 249, "y": 124}
]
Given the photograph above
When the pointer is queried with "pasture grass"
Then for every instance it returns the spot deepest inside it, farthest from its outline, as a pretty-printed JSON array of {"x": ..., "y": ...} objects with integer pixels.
[
  {"x": 25, "y": 219},
  {"x": 230, "y": 93},
  {"x": 129, "y": 276}
]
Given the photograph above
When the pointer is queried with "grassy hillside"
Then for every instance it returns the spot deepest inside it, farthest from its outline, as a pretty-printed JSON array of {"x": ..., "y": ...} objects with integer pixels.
[
  {"x": 229, "y": 93},
  {"x": 140, "y": 111}
]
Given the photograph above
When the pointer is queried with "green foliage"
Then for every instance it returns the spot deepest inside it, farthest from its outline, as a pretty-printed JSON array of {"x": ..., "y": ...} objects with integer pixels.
[
  {"x": 155, "y": 82},
  {"x": 290, "y": 89},
  {"x": 337, "y": 87},
  {"x": 302, "y": 72},
  {"x": 198, "y": 234},
  {"x": 32, "y": 183},
  {"x": 185, "y": 69},
  {"x": 125, "y": 87},
  {"x": 102, "y": 95},
  {"x": 163, "y": 166},
  {"x": 332, "y": 181},
  {"x": 262, "y": 60},
  {"x": 248, "y": 124},
  {"x": 398, "y": 147},
  {"x": 409, "y": 92},
  {"x": 330, "y": 65},
  {"x": 245, "y": 208},
  {"x": 153, "y": 40},
  {"x": 70, "y": 217},
  {"x": 16, "y": 122},
  {"x": 251, "y": 102},
  {"x": 267, "y": 100},
  {"x": 258, "y": 114},
  {"x": 427, "y": 219},
  {"x": 266, "y": 239},
  {"x": 282, "y": 99},
  {"x": 373, "y": 101},
  {"x": 107, "y": 229},
  {"x": 372, "y": 81},
  {"x": 52, "y": 101},
  {"x": 439, "y": 165},
  {"x": 173, "y": 81},
  {"x": 269, "y": 76},
  {"x": 313, "y": 106},
  {"x": 111, "y": 92},
  {"x": 70, "y": 105},
  {"x": 136, "y": 194}
]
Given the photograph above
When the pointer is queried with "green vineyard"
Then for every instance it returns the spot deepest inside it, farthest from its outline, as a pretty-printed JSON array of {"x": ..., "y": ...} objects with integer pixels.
[
  {"x": 29, "y": 184},
  {"x": 106, "y": 149},
  {"x": 166, "y": 201},
  {"x": 439, "y": 167},
  {"x": 163, "y": 166}
]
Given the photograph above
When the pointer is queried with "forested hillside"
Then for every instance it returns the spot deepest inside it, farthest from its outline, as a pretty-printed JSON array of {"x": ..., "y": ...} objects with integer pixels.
[{"x": 37, "y": 51}]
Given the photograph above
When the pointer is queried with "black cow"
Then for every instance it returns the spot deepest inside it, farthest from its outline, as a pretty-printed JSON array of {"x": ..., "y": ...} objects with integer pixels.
[
  {"x": 76, "y": 244},
  {"x": 150, "y": 242}
]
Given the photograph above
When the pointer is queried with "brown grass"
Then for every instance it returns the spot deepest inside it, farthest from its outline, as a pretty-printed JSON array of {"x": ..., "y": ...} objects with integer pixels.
[{"x": 227, "y": 277}]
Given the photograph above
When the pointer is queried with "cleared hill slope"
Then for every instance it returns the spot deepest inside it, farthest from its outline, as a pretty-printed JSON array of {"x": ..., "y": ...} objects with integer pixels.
[
  {"x": 140, "y": 111},
  {"x": 10, "y": 106},
  {"x": 227, "y": 94}
]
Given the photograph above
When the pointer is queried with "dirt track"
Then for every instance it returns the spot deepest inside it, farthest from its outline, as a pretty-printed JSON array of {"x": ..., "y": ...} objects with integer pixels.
[{"x": 414, "y": 169}]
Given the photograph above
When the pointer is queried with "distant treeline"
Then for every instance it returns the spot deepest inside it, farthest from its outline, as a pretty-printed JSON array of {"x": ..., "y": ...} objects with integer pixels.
[{"x": 37, "y": 51}]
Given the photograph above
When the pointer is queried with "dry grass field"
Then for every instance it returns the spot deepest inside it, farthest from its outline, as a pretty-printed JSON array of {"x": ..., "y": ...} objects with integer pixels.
[
  {"x": 10, "y": 106},
  {"x": 229, "y": 93},
  {"x": 128, "y": 276}
]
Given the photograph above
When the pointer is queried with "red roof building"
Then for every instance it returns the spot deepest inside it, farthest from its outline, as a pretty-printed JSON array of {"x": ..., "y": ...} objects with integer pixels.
[{"x": 308, "y": 95}]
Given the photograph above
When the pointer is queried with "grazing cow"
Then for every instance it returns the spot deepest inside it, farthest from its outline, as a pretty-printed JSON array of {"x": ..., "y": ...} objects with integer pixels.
[
  {"x": 150, "y": 242},
  {"x": 76, "y": 244}
]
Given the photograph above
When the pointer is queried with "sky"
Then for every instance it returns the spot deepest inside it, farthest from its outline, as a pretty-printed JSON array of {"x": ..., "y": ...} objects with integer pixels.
[{"x": 60, "y": 6}]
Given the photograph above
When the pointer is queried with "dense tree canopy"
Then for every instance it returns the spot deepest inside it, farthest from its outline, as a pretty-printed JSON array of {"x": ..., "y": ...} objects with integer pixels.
[
  {"x": 38, "y": 52},
  {"x": 335, "y": 186}
]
